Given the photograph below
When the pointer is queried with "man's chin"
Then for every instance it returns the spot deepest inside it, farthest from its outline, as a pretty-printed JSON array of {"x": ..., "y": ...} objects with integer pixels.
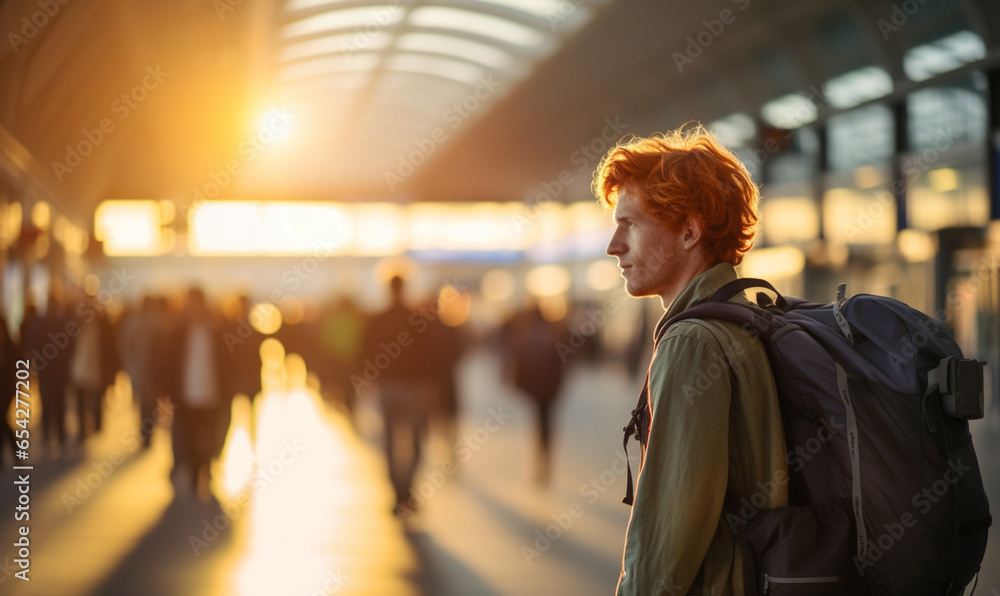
[{"x": 636, "y": 291}]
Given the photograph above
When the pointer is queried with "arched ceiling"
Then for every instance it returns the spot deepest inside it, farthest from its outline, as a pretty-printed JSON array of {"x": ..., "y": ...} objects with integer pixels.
[{"x": 410, "y": 99}]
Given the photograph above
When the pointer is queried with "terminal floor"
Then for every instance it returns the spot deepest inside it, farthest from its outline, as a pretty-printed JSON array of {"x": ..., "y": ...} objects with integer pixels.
[{"x": 304, "y": 507}]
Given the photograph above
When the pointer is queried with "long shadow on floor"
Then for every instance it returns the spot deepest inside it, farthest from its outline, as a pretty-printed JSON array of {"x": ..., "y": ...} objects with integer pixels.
[
  {"x": 45, "y": 476},
  {"x": 442, "y": 574},
  {"x": 177, "y": 556},
  {"x": 565, "y": 547}
]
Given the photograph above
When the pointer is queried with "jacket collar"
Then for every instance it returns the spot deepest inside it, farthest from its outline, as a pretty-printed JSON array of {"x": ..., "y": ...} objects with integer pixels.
[{"x": 698, "y": 290}]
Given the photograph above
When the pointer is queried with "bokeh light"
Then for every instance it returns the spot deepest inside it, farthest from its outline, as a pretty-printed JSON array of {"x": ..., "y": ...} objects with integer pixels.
[{"x": 265, "y": 317}]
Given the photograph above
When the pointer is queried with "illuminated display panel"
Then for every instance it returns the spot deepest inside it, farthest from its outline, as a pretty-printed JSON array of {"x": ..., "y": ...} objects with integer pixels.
[
  {"x": 251, "y": 228},
  {"x": 280, "y": 228},
  {"x": 129, "y": 228}
]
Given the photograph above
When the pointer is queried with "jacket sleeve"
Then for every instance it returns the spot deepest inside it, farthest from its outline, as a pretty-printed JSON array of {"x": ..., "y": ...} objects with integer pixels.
[{"x": 682, "y": 485}]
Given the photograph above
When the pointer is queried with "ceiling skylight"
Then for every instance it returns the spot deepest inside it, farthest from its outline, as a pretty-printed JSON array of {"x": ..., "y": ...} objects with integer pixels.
[
  {"x": 334, "y": 81},
  {"x": 489, "y": 56},
  {"x": 333, "y": 64},
  {"x": 396, "y": 71},
  {"x": 948, "y": 53},
  {"x": 475, "y": 23},
  {"x": 462, "y": 72},
  {"x": 293, "y": 5},
  {"x": 539, "y": 8},
  {"x": 347, "y": 18},
  {"x": 346, "y": 43},
  {"x": 734, "y": 130},
  {"x": 789, "y": 111},
  {"x": 858, "y": 86}
]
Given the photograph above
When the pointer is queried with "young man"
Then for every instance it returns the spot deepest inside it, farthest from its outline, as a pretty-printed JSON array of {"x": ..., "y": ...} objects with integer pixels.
[{"x": 686, "y": 213}]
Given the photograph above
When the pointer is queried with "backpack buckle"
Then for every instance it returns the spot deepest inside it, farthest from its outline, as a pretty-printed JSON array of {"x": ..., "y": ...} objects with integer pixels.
[{"x": 960, "y": 383}]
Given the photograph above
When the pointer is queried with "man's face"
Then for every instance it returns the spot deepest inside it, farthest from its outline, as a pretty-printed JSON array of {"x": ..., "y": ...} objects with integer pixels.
[{"x": 649, "y": 251}]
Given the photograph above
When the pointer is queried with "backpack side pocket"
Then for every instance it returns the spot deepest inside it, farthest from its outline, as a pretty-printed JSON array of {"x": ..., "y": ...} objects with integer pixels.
[{"x": 805, "y": 550}]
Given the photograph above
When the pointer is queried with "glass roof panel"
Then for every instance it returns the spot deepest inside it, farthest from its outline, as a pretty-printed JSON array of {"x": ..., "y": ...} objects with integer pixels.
[
  {"x": 789, "y": 111},
  {"x": 332, "y": 44},
  {"x": 486, "y": 55},
  {"x": 402, "y": 69},
  {"x": 292, "y": 5},
  {"x": 333, "y": 64},
  {"x": 466, "y": 21},
  {"x": 734, "y": 130},
  {"x": 948, "y": 53},
  {"x": 462, "y": 72},
  {"x": 858, "y": 86},
  {"x": 347, "y": 18},
  {"x": 334, "y": 81},
  {"x": 538, "y": 8}
]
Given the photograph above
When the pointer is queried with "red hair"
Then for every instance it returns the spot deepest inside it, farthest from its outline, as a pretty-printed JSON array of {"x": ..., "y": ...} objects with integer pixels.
[{"x": 686, "y": 173}]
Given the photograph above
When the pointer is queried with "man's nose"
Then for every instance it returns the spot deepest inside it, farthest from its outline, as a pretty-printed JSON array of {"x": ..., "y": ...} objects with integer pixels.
[{"x": 615, "y": 247}]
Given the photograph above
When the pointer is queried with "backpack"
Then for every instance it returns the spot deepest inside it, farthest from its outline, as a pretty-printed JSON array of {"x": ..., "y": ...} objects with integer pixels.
[{"x": 885, "y": 494}]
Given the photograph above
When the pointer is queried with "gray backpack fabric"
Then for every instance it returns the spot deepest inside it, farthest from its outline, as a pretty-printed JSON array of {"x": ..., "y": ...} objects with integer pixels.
[{"x": 885, "y": 491}]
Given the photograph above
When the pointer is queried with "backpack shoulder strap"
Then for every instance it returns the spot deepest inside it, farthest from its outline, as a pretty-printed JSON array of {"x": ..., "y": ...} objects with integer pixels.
[
  {"x": 638, "y": 424},
  {"x": 726, "y": 292},
  {"x": 717, "y": 307},
  {"x": 726, "y": 311}
]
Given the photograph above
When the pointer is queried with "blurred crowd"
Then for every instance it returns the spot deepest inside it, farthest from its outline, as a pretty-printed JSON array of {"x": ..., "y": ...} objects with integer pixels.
[{"x": 186, "y": 361}]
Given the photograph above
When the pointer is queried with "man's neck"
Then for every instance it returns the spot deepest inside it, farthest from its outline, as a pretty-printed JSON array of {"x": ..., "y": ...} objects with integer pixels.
[{"x": 695, "y": 268}]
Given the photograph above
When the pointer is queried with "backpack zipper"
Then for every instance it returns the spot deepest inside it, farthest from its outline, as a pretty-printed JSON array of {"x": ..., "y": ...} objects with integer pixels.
[{"x": 828, "y": 579}]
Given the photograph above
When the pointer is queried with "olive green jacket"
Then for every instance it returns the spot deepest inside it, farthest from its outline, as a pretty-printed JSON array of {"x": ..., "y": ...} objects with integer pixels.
[{"x": 715, "y": 424}]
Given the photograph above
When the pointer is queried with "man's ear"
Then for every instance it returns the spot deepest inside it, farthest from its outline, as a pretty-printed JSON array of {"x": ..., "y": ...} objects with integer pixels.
[{"x": 691, "y": 232}]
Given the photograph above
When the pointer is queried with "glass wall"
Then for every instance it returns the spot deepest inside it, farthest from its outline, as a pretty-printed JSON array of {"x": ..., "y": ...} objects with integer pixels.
[
  {"x": 857, "y": 205},
  {"x": 788, "y": 210},
  {"x": 945, "y": 166}
]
